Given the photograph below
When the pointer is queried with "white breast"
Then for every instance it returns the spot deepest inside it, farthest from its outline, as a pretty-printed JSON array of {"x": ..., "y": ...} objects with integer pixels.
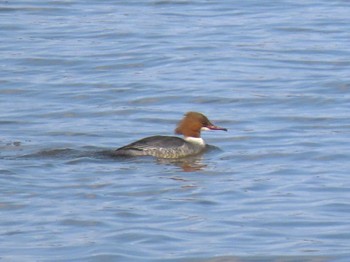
[{"x": 198, "y": 141}]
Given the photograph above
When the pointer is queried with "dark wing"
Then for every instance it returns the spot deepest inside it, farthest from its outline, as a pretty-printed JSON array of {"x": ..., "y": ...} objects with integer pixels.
[{"x": 154, "y": 142}]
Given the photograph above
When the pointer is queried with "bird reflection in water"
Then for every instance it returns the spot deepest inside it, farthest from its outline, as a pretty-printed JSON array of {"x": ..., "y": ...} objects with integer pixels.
[{"x": 187, "y": 164}]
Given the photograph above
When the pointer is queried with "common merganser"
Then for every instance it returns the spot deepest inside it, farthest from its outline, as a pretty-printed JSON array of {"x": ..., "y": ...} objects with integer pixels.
[{"x": 171, "y": 146}]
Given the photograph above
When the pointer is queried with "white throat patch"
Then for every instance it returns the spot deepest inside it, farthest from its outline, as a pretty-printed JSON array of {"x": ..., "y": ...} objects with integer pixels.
[{"x": 195, "y": 140}]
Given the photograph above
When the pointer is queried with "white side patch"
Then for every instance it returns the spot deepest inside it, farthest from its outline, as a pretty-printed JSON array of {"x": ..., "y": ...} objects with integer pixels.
[{"x": 195, "y": 140}]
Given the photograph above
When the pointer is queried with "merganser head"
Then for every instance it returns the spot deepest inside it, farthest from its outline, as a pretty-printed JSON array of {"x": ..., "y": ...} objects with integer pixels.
[{"x": 193, "y": 123}]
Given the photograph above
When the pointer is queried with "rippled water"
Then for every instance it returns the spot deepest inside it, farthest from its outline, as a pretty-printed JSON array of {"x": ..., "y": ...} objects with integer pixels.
[{"x": 81, "y": 78}]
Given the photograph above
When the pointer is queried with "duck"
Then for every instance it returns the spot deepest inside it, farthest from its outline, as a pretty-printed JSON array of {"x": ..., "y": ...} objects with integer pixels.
[{"x": 159, "y": 146}]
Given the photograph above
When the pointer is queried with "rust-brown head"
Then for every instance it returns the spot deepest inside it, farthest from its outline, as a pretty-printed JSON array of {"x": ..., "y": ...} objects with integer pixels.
[{"x": 192, "y": 124}]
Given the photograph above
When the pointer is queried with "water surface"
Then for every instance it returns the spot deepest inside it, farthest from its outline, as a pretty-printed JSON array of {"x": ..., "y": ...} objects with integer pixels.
[{"x": 81, "y": 78}]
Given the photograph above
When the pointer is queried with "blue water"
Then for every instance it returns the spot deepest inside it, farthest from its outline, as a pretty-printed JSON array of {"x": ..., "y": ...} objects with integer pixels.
[{"x": 81, "y": 78}]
